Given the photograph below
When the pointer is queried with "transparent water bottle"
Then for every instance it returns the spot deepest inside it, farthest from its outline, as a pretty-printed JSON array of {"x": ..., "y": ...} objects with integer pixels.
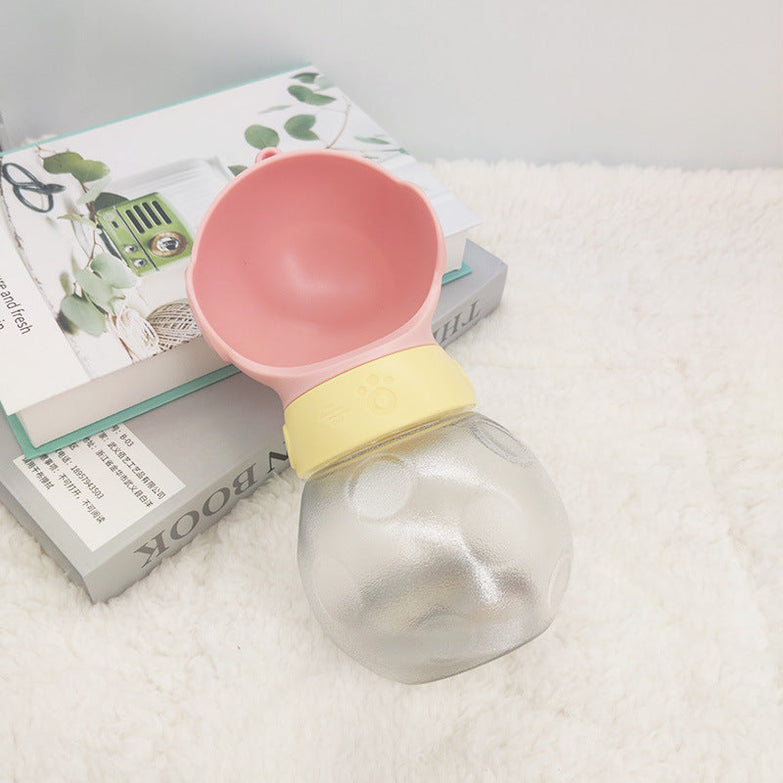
[
  {"x": 437, "y": 550},
  {"x": 430, "y": 539}
]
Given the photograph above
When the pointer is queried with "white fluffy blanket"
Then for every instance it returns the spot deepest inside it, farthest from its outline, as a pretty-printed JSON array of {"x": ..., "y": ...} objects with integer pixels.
[{"x": 639, "y": 352}]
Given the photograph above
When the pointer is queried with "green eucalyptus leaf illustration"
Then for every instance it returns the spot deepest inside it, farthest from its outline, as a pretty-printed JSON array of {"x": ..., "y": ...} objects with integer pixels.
[
  {"x": 372, "y": 140},
  {"x": 95, "y": 189},
  {"x": 75, "y": 164},
  {"x": 322, "y": 83},
  {"x": 77, "y": 219},
  {"x": 270, "y": 109},
  {"x": 306, "y": 95},
  {"x": 65, "y": 283},
  {"x": 307, "y": 77},
  {"x": 259, "y": 136},
  {"x": 67, "y": 326},
  {"x": 113, "y": 271},
  {"x": 83, "y": 314},
  {"x": 89, "y": 170},
  {"x": 98, "y": 292},
  {"x": 62, "y": 162},
  {"x": 235, "y": 170},
  {"x": 96, "y": 289},
  {"x": 108, "y": 199},
  {"x": 300, "y": 127}
]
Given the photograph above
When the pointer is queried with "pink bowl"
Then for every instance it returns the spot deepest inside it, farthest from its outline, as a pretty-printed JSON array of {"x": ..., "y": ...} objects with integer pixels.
[{"x": 313, "y": 262}]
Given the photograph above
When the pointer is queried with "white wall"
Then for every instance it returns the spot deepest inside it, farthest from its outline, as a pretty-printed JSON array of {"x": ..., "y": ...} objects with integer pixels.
[{"x": 696, "y": 83}]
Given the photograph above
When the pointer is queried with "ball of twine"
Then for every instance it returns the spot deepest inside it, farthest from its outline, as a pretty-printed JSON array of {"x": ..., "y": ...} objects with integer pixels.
[{"x": 173, "y": 323}]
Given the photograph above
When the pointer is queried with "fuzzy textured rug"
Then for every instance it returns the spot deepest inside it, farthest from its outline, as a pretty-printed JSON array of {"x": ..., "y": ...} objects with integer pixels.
[{"x": 639, "y": 353}]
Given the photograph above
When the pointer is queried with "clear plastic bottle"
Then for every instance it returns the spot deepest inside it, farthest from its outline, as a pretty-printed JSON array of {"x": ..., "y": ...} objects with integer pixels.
[{"x": 434, "y": 551}]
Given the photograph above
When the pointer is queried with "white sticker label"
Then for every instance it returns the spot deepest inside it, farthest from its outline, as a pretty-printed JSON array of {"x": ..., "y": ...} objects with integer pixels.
[{"x": 102, "y": 484}]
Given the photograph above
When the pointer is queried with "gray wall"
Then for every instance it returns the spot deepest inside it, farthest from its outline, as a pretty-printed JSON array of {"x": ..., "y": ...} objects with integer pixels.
[{"x": 691, "y": 83}]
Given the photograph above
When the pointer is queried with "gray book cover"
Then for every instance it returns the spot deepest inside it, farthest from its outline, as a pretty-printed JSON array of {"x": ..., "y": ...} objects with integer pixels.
[{"x": 109, "y": 508}]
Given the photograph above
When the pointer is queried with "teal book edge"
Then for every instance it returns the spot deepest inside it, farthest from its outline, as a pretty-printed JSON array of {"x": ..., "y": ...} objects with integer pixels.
[
  {"x": 156, "y": 401},
  {"x": 30, "y": 451},
  {"x": 456, "y": 273}
]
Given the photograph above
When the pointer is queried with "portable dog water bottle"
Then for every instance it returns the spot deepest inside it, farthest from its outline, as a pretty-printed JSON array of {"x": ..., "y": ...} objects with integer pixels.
[{"x": 430, "y": 539}]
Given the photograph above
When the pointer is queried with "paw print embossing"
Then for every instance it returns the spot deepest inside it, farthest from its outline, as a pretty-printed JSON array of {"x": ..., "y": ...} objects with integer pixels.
[{"x": 380, "y": 399}]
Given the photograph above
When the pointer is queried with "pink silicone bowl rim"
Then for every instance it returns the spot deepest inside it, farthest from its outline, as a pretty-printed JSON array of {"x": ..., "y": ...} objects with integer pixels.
[{"x": 291, "y": 382}]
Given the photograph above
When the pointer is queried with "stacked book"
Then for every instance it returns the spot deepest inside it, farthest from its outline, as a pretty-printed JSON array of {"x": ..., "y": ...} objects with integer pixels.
[{"x": 105, "y": 369}]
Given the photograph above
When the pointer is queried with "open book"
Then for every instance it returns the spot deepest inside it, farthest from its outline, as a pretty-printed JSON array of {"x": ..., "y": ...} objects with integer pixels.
[{"x": 97, "y": 229}]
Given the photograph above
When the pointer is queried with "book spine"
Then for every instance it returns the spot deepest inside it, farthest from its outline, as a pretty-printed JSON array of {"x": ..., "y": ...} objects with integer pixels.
[
  {"x": 447, "y": 326},
  {"x": 184, "y": 523}
]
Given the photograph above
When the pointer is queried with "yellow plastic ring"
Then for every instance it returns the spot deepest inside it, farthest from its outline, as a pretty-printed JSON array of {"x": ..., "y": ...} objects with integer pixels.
[{"x": 370, "y": 402}]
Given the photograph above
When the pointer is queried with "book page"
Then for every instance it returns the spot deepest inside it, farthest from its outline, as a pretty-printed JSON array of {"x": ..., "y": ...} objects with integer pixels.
[{"x": 37, "y": 361}]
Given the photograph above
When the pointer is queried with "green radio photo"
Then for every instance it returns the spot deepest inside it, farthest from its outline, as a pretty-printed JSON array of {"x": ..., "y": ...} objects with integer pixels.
[{"x": 145, "y": 232}]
